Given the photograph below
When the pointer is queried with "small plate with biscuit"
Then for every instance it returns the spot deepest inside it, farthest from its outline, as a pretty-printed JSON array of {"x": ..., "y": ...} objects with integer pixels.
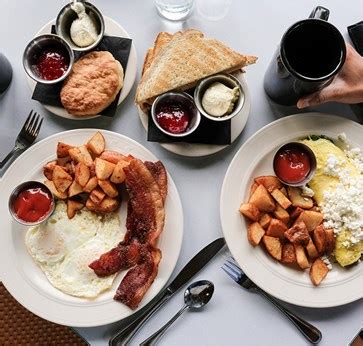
[{"x": 85, "y": 98}]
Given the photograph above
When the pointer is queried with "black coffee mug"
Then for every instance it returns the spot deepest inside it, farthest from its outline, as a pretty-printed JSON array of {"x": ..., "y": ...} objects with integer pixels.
[
  {"x": 311, "y": 53},
  {"x": 6, "y": 73}
]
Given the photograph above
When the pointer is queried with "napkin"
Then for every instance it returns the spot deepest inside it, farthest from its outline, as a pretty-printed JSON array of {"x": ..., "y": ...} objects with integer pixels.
[{"x": 119, "y": 47}]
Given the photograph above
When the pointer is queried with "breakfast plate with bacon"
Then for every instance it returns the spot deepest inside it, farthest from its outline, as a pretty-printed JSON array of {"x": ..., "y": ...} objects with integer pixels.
[{"x": 114, "y": 236}]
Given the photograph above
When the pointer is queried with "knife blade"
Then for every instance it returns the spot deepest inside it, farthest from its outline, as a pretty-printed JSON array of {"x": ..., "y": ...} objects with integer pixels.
[{"x": 189, "y": 270}]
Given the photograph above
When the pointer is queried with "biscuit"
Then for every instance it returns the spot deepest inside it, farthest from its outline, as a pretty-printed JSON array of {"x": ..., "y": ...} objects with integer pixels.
[{"x": 93, "y": 84}]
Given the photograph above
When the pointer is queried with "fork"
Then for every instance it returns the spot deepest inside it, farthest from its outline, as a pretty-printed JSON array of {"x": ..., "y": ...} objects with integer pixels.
[
  {"x": 310, "y": 332},
  {"x": 27, "y": 135}
]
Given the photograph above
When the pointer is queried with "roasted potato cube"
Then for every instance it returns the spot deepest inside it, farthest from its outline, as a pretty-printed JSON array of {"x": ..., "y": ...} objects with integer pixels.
[
  {"x": 301, "y": 258},
  {"x": 108, "y": 188},
  {"x": 288, "y": 254},
  {"x": 311, "y": 219},
  {"x": 108, "y": 205},
  {"x": 253, "y": 188},
  {"x": 48, "y": 169},
  {"x": 262, "y": 199},
  {"x": 318, "y": 271},
  {"x": 265, "y": 220},
  {"x": 319, "y": 238},
  {"x": 311, "y": 250},
  {"x": 82, "y": 174},
  {"x": 270, "y": 182},
  {"x": 255, "y": 233},
  {"x": 296, "y": 212},
  {"x": 276, "y": 229},
  {"x": 91, "y": 185},
  {"x": 62, "y": 149},
  {"x": 74, "y": 189},
  {"x": 297, "y": 199},
  {"x": 62, "y": 180},
  {"x": 280, "y": 198},
  {"x": 73, "y": 207},
  {"x": 90, "y": 205},
  {"x": 97, "y": 196},
  {"x": 103, "y": 168},
  {"x": 92, "y": 170},
  {"x": 273, "y": 247},
  {"x": 250, "y": 211},
  {"x": 112, "y": 156},
  {"x": 281, "y": 214},
  {"x": 96, "y": 144},
  {"x": 70, "y": 168},
  {"x": 298, "y": 234},
  {"x": 62, "y": 161},
  {"x": 118, "y": 176},
  {"x": 58, "y": 194},
  {"x": 329, "y": 241},
  {"x": 81, "y": 154}
]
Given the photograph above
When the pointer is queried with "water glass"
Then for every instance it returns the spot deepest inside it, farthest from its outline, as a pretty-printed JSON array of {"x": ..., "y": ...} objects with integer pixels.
[{"x": 174, "y": 9}]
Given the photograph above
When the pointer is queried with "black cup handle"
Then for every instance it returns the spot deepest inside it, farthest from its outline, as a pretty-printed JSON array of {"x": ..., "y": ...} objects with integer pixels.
[{"x": 320, "y": 12}]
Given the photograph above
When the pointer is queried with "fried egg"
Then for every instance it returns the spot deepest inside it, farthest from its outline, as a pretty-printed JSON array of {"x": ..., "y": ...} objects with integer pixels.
[{"x": 63, "y": 248}]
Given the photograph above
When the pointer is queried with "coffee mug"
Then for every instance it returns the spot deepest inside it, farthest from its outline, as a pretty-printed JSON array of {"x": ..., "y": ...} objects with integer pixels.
[
  {"x": 311, "y": 53},
  {"x": 6, "y": 73}
]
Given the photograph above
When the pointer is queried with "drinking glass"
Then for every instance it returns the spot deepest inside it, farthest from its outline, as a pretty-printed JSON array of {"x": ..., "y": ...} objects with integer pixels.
[{"x": 174, "y": 9}]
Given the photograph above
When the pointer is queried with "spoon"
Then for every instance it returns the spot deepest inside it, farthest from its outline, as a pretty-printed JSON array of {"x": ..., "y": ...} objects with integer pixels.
[{"x": 196, "y": 296}]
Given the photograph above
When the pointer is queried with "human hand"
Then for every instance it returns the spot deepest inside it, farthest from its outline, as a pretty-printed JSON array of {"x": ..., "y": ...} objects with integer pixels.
[{"x": 347, "y": 86}]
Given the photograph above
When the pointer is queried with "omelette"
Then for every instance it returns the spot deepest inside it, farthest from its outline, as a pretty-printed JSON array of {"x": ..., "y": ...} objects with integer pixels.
[{"x": 338, "y": 190}]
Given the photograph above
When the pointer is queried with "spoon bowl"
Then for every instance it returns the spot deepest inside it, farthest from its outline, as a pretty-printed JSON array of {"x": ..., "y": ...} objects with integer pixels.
[{"x": 198, "y": 294}]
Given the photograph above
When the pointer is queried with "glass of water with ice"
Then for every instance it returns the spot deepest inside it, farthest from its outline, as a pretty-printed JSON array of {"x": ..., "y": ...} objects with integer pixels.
[{"x": 174, "y": 9}]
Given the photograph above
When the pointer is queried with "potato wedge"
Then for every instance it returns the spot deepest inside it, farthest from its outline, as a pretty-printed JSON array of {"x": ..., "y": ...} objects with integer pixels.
[
  {"x": 296, "y": 212},
  {"x": 118, "y": 176},
  {"x": 281, "y": 199},
  {"x": 82, "y": 174},
  {"x": 288, "y": 254},
  {"x": 90, "y": 205},
  {"x": 74, "y": 189},
  {"x": 311, "y": 250},
  {"x": 91, "y": 184},
  {"x": 270, "y": 182},
  {"x": 273, "y": 247},
  {"x": 297, "y": 199},
  {"x": 301, "y": 258},
  {"x": 311, "y": 218},
  {"x": 255, "y": 233},
  {"x": 298, "y": 234},
  {"x": 253, "y": 188},
  {"x": 108, "y": 205},
  {"x": 112, "y": 156},
  {"x": 329, "y": 240},
  {"x": 81, "y": 154},
  {"x": 108, "y": 188},
  {"x": 318, "y": 271},
  {"x": 319, "y": 238},
  {"x": 284, "y": 191},
  {"x": 62, "y": 180},
  {"x": 265, "y": 220},
  {"x": 97, "y": 196},
  {"x": 62, "y": 161},
  {"x": 96, "y": 144},
  {"x": 73, "y": 207},
  {"x": 276, "y": 229},
  {"x": 58, "y": 194},
  {"x": 48, "y": 169},
  {"x": 281, "y": 214},
  {"x": 62, "y": 149},
  {"x": 262, "y": 199},
  {"x": 103, "y": 168},
  {"x": 250, "y": 211}
]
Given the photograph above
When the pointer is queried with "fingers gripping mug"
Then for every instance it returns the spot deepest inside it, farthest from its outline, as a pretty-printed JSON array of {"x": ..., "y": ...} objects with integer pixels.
[{"x": 311, "y": 53}]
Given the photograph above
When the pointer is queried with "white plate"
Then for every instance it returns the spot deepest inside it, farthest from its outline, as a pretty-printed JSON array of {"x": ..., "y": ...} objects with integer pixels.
[
  {"x": 255, "y": 158},
  {"x": 111, "y": 29},
  {"x": 195, "y": 150},
  {"x": 27, "y": 283}
]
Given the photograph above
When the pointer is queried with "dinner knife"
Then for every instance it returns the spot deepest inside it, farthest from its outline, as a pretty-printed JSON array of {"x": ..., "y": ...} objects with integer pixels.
[{"x": 189, "y": 270}]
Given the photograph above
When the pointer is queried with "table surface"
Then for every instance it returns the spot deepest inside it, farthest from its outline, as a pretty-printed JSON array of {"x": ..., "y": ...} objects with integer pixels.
[{"x": 233, "y": 316}]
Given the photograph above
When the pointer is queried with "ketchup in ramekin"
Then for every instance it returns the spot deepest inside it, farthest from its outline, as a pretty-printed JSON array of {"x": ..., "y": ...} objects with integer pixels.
[
  {"x": 31, "y": 203},
  {"x": 294, "y": 164}
]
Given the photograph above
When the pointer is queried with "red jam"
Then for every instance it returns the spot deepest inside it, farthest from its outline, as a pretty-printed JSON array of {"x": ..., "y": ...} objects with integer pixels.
[
  {"x": 32, "y": 204},
  {"x": 52, "y": 64},
  {"x": 292, "y": 165},
  {"x": 173, "y": 118}
]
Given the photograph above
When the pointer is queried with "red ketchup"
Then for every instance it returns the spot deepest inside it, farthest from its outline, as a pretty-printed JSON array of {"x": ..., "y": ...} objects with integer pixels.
[
  {"x": 173, "y": 118},
  {"x": 52, "y": 64},
  {"x": 32, "y": 204},
  {"x": 292, "y": 165}
]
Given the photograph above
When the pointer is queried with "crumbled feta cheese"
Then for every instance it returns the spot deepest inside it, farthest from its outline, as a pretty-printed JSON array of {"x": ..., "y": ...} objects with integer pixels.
[
  {"x": 326, "y": 260},
  {"x": 306, "y": 191},
  {"x": 342, "y": 137}
]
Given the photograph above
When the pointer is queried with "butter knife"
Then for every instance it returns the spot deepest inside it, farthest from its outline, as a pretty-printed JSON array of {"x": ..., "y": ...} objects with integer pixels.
[{"x": 190, "y": 269}]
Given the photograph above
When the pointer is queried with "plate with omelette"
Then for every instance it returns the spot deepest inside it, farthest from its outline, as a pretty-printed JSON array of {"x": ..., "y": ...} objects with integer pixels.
[
  {"x": 280, "y": 235},
  {"x": 56, "y": 269}
]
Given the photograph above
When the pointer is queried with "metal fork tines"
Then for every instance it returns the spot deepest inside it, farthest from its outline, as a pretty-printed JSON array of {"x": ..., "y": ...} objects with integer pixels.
[
  {"x": 27, "y": 135},
  {"x": 235, "y": 272}
]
